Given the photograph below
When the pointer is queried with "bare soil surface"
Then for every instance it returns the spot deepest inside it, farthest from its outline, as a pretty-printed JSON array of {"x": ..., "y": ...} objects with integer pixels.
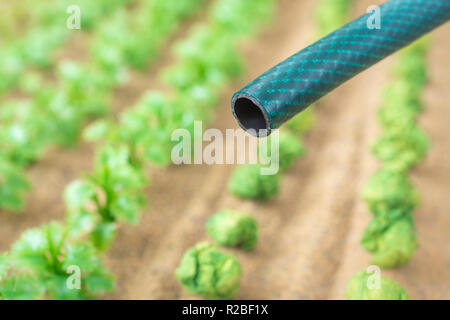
[{"x": 309, "y": 240}]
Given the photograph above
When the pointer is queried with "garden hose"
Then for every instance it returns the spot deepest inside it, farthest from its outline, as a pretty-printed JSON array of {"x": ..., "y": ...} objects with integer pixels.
[{"x": 291, "y": 86}]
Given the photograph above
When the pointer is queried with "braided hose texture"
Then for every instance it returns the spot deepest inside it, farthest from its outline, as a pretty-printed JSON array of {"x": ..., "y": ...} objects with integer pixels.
[{"x": 300, "y": 80}]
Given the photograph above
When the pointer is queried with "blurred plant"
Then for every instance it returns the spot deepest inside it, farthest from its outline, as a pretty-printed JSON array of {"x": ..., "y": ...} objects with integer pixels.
[
  {"x": 206, "y": 271},
  {"x": 233, "y": 228},
  {"x": 248, "y": 182},
  {"x": 46, "y": 253},
  {"x": 357, "y": 289}
]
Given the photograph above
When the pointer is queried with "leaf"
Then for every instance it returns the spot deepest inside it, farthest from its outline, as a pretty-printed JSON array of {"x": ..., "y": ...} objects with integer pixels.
[
  {"x": 13, "y": 185},
  {"x": 29, "y": 251},
  {"x": 99, "y": 282},
  {"x": 103, "y": 235},
  {"x": 78, "y": 194},
  {"x": 21, "y": 287},
  {"x": 80, "y": 222},
  {"x": 97, "y": 130}
]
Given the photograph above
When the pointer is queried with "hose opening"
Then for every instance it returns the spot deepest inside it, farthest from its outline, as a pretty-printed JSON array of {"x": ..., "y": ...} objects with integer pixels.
[{"x": 251, "y": 116}]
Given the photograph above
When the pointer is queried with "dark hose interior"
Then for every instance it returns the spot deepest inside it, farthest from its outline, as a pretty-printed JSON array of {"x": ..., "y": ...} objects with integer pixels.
[{"x": 249, "y": 115}]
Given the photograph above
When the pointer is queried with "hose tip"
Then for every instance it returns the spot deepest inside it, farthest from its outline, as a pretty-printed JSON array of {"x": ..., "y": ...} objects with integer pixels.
[{"x": 250, "y": 115}]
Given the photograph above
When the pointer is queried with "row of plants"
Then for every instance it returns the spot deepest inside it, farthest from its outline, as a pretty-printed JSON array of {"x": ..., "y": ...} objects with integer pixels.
[
  {"x": 247, "y": 181},
  {"x": 389, "y": 194},
  {"x": 35, "y": 48},
  {"x": 114, "y": 191},
  {"x": 206, "y": 62},
  {"x": 54, "y": 115}
]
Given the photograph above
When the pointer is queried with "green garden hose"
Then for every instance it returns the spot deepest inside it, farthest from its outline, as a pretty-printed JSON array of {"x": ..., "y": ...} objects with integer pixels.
[{"x": 300, "y": 80}]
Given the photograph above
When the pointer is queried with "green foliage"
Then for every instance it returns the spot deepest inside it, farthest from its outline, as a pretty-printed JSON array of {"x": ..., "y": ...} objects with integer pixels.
[
  {"x": 13, "y": 185},
  {"x": 46, "y": 253},
  {"x": 357, "y": 289},
  {"x": 37, "y": 46},
  {"x": 401, "y": 149},
  {"x": 19, "y": 287},
  {"x": 206, "y": 271},
  {"x": 331, "y": 14},
  {"x": 303, "y": 122},
  {"x": 396, "y": 116},
  {"x": 208, "y": 57},
  {"x": 233, "y": 15},
  {"x": 403, "y": 92},
  {"x": 134, "y": 40},
  {"x": 391, "y": 239},
  {"x": 149, "y": 125},
  {"x": 411, "y": 65},
  {"x": 207, "y": 60},
  {"x": 248, "y": 182},
  {"x": 16, "y": 286},
  {"x": 290, "y": 148},
  {"x": 23, "y": 134},
  {"x": 55, "y": 114},
  {"x": 233, "y": 228},
  {"x": 390, "y": 236},
  {"x": 388, "y": 190},
  {"x": 413, "y": 68},
  {"x": 112, "y": 193},
  {"x": 31, "y": 82}
]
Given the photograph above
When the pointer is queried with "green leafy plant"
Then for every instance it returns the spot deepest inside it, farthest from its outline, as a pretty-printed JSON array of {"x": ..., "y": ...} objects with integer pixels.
[
  {"x": 388, "y": 190},
  {"x": 47, "y": 253},
  {"x": 303, "y": 122},
  {"x": 392, "y": 242},
  {"x": 401, "y": 149},
  {"x": 397, "y": 116},
  {"x": 206, "y": 271},
  {"x": 289, "y": 148},
  {"x": 113, "y": 193},
  {"x": 248, "y": 182},
  {"x": 13, "y": 185},
  {"x": 15, "y": 285},
  {"x": 233, "y": 228},
  {"x": 358, "y": 289}
]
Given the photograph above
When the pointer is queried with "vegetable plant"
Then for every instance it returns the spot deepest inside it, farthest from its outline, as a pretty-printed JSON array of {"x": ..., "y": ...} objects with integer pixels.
[
  {"x": 358, "y": 289},
  {"x": 16, "y": 285},
  {"x": 47, "y": 253},
  {"x": 13, "y": 185},
  {"x": 248, "y": 182},
  {"x": 389, "y": 189},
  {"x": 289, "y": 148},
  {"x": 391, "y": 240},
  {"x": 233, "y": 228},
  {"x": 112, "y": 193},
  {"x": 401, "y": 149},
  {"x": 206, "y": 271}
]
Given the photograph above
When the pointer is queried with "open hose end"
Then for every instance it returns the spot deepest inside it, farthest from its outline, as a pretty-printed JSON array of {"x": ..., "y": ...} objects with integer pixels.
[{"x": 250, "y": 115}]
